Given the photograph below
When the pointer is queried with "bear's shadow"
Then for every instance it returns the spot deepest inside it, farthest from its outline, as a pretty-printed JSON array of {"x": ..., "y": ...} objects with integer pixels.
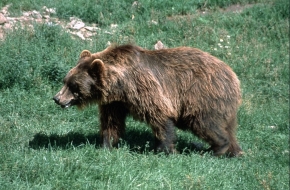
[{"x": 137, "y": 141}]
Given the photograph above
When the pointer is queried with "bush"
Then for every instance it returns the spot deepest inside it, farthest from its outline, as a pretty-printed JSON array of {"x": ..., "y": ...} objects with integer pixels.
[
  {"x": 15, "y": 71},
  {"x": 281, "y": 7},
  {"x": 32, "y": 57}
]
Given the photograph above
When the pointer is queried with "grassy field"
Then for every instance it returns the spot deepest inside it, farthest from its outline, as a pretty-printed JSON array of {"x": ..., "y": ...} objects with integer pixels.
[{"x": 45, "y": 147}]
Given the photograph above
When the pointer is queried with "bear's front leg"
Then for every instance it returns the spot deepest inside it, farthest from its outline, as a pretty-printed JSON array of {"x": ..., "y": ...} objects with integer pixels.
[
  {"x": 165, "y": 137},
  {"x": 112, "y": 117}
]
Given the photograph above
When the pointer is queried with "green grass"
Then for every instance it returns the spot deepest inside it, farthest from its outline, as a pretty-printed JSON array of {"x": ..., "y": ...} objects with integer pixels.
[{"x": 45, "y": 147}]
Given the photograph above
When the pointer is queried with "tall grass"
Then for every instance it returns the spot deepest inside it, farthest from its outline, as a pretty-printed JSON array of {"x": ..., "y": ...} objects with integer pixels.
[{"x": 45, "y": 147}]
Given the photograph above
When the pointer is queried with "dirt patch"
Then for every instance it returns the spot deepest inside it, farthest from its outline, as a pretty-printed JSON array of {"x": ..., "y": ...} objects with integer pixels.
[
  {"x": 74, "y": 26},
  {"x": 237, "y": 8}
]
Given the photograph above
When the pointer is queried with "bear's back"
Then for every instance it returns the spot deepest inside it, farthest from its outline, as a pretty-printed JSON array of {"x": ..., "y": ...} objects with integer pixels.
[{"x": 186, "y": 75}]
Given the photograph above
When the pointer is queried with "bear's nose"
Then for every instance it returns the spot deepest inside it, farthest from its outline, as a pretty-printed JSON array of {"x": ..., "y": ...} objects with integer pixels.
[{"x": 56, "y": 99}]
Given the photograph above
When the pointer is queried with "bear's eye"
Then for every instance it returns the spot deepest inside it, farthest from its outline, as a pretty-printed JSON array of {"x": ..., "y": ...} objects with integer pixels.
[{"x": 73, "y": 87}]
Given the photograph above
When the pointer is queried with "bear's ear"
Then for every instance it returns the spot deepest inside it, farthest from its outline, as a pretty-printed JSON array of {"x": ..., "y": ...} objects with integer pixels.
[
  {"x": 98, "y": 65},
  {"x": 97, "y": 69},
  {"x": 85, "y": 53}
]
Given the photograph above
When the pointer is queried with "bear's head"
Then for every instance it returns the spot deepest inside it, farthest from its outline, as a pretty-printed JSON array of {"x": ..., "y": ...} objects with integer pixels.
[{"x": 83, "y": 83}]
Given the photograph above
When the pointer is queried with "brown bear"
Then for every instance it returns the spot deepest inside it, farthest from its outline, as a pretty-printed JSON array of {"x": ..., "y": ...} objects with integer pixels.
[{"x": 183, "y": 87}]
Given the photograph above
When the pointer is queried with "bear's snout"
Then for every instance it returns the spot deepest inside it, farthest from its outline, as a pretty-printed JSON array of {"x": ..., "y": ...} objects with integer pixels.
[
  {"x": 56, "y": 99},
  {"x": 64, "y": 103}
]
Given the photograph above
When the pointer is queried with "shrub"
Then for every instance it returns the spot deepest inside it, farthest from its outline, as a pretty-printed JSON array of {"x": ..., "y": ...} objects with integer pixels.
[{"x": 30, "y": 57}]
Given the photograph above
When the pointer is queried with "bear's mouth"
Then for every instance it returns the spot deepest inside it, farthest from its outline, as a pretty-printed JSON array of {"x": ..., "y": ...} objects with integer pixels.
[
  {"x": 69, "y": 104},
  {"x": 66, "y": 105}
]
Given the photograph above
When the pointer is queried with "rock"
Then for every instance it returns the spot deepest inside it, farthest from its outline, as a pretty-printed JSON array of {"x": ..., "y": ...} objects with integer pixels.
[
  {"x": 114, "y": 25},
  {"x": 2, "y": 19},
  {"x": 154, "y": 22},
  {"x": 107, "y": 32},
  {"x": 49, "y": 10},
  {"x": 46, "y": 16},
  {"x": 4, "y": 10},
  {"x": 36, "y": 14},
  {"x": 136, "y": 4},
  {"x": 78, "y": 25},
  {"x": 7, "y": 26},
  {"x": 80, "y": 35},
  {"x": 1, "y": 34},
  {"x": 91, "y": 28},
  {"x": 89, "y": 34},
  {"x": 26, "y": 14},
  {"x": 159, "y": 45}
]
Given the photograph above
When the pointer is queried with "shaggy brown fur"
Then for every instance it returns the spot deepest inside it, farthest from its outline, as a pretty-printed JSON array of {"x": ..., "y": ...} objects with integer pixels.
[{"x": 183, "y": 87}]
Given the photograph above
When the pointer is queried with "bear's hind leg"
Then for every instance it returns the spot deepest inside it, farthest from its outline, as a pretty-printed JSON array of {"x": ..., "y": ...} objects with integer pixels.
[
  {"x": 165, "y": 138},
  {"x": 214, "y": 134},
  {"x": 234, "y": 149},
  {"x": 219, "y": 145}
]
